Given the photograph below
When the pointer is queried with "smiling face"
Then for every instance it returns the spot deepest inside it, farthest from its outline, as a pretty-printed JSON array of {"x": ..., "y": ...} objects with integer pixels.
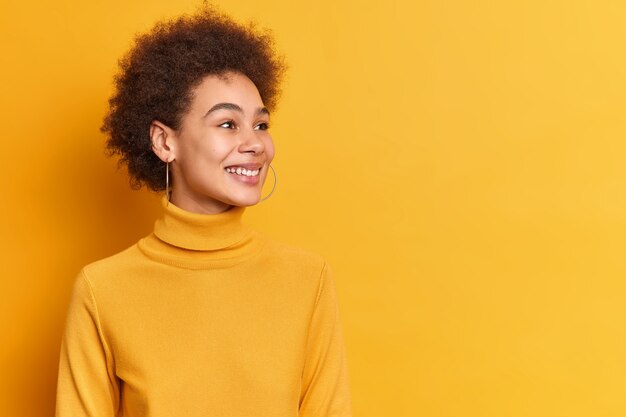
[{"x": 224, "y": 131}]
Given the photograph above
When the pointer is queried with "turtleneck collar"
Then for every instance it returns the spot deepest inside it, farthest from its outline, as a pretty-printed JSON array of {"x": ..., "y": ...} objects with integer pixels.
[
  {"x": 197, "y": 231},
  {"x": 197, "y": 241}
]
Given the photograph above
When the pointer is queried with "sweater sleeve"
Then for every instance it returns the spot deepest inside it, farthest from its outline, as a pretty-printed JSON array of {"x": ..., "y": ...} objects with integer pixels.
[
  {"x": 86, "y": 384},
  {"x": 325, "y": 388}
]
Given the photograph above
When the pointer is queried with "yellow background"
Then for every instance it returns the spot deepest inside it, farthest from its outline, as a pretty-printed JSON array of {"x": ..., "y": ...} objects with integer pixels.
[{"x": 459, "y": 163}]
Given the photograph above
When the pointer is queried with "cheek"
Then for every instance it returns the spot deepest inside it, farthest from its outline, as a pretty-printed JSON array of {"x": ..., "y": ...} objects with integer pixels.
[
  {"x": 201, "y": 161},
  {"x": 269, "y": 149},
  {"x": 209, "y": 153}
]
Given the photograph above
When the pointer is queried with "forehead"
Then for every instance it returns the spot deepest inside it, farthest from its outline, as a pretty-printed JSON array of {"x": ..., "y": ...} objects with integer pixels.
[{"x": 230, "y": 87}]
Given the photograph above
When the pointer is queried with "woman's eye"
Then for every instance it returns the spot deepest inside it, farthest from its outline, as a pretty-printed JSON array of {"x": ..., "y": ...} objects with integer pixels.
[
  {"x": 229, "y": 124},
  {"x": 263, "y": 126}
]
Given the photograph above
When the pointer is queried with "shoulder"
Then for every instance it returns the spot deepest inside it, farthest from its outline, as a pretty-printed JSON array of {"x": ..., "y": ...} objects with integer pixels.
[
  {"x": 291, "y": 252},
  {"x": 302, "y": 270},
  {"x": 104, "y": 269},
  {"x": 297, "y": 258}
]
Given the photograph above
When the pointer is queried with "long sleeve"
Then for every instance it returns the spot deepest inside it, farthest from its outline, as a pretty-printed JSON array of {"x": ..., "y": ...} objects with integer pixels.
[
  {"x": 204, "y": 317},
  {"x": 325, "y": 387},
  {"x": 86, "y": 386}
]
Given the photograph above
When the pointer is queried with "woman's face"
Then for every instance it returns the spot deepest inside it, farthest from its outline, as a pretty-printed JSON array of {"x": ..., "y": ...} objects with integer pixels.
[{"x": 223, "y": 132}]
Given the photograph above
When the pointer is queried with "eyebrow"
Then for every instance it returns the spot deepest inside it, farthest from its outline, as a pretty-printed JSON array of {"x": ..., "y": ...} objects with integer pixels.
[{"x": 233, "y": 106}]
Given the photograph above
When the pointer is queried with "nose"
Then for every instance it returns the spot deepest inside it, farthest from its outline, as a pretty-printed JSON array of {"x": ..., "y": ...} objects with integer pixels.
[{"x": 252, "y": 143}]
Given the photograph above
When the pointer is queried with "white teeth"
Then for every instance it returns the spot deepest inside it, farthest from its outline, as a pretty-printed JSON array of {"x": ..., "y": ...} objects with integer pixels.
[{"x": 243, "y": 171}]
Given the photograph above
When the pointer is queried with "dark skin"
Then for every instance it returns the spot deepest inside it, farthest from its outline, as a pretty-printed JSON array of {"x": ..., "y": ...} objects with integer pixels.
[
  {"x": 155, "y": 88},
  {"x": 226, "y": 125}
]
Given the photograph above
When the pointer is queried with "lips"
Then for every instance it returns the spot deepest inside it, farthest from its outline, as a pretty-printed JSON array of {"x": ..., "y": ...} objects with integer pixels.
[{"x": 250, "y": 166}]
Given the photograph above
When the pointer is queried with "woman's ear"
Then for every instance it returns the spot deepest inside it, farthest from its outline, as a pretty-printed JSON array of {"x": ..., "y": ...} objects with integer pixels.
[{"x": 163, "y": 141}]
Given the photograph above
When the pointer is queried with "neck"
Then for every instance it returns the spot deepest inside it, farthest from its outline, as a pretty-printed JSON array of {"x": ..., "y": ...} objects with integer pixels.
[
  {"x": 198, "y": 240},
  {"x": 200, "y": 231},
  {"x": 192, "y": 204}
]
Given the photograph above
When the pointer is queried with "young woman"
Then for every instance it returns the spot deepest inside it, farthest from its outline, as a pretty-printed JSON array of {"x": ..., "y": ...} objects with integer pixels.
[{"x": 205, "y": 316}]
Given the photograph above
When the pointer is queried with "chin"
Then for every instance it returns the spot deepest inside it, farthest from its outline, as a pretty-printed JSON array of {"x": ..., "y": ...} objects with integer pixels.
[{"x": 245, "y": 201}]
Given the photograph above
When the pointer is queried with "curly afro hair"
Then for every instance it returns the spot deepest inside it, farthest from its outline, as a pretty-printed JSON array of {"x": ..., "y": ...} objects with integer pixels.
[{"x": 158, "y": 75}]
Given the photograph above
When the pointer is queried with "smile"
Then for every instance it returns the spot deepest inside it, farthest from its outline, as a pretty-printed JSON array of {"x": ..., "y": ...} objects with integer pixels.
[{"x": 242, "y": 171}]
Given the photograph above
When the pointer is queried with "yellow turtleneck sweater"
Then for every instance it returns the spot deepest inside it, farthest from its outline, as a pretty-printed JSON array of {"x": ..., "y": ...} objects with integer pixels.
[{"x": 204, "y": 317}]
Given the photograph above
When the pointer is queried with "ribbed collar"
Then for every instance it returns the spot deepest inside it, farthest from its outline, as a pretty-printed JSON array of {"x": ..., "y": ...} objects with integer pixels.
[{"x": 196, "y": 241}]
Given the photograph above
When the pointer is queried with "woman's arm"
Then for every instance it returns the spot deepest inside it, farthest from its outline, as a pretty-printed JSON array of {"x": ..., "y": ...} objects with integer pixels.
[
  {"x": 325, "y": 388},
  {"x": 87, "y": 385}
]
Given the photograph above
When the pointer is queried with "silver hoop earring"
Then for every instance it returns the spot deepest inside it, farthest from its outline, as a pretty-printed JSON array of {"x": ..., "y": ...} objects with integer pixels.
[
  {"x": 274, "y": 187},
  {"x": 167, "y": 181}
]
